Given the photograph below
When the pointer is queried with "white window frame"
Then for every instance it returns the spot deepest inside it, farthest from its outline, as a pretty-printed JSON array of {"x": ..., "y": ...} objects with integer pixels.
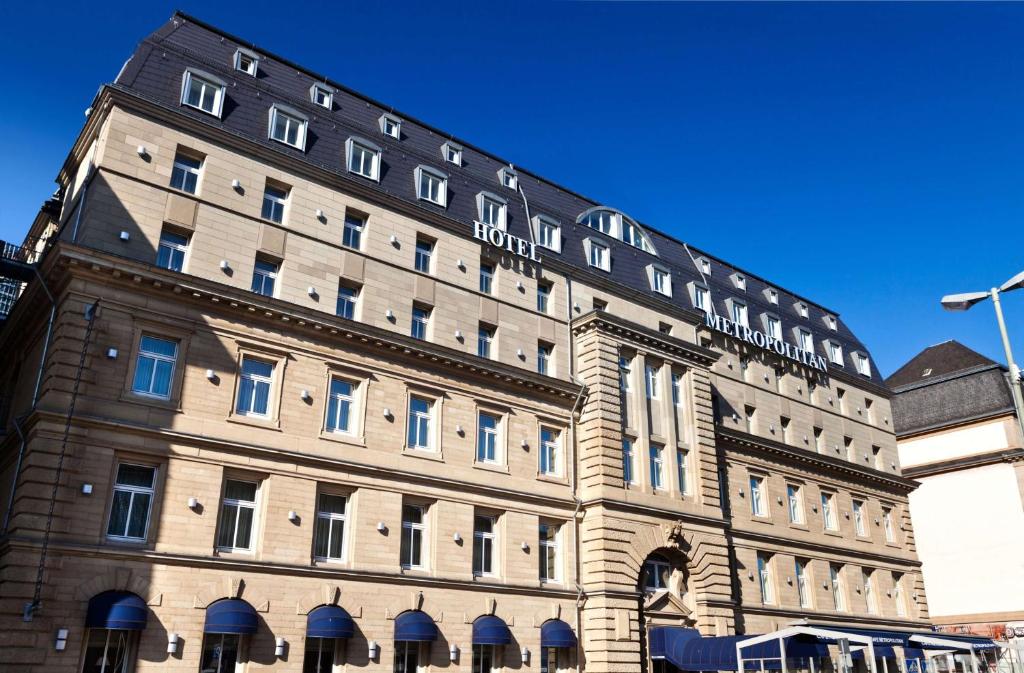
[
  {"x": 487, "y": 539},
  {"x": 835, "y": 352},
  {"x": 356, "y": 223},
  {"x": 701, "y": 297},
  {"x": 835, "y": 573},
  {"x": 544, "y": 359},
  {"x": 424, "y": 422},
  {"x": 897, "y": 595},
  {"x": 740, "y": 312},
  {"x": 740, "y": 281},
  {"x": 887, "y": 524},
  {"x": 419, "y": 253},
  {"x": 549, "y": 232},
  {"x": 758, "y": 495},
  {"x": 831, "y": 322},
  {"x": 863, "y": 363},
  {"x": 353, "y": 300},
  {"x": 331, "y": 517},
  {"x": 599, "y": 253},
  {"x": 489, "y": 440},
  {"x": 488, "y": 203},
  {"x": 187, "y": 170},
  {"x": 683, "y": 469},
  {"x": 773, "y": 296},
  {"x": 278, "y": 200},
  {"x": 442, "y": 185},
  {"x": 629, "y": 461},
  {"x": 156, "y": 357},
  {"x": 485, "y": 336},
  {"x": 452, "y": 153},
  {"x": 829, "y": 516},
  {"x": 394, "y": 122},
  {"x": 257, "y": 379},
  {"x": 207, "y": 80},
  {"x": 507, "y": 178},
  {"x": 657, "y": 565},
  {"x": 409, "y": 531},
  {"x": 326, "y": 91},
  {"x": 253, "y": 57},
  {"x": 652, "y": 374},
  {"x": 705, "y": 265},
  {"x": 240, "y": 505},
  {"x": 420, "y": 316},
  {"x": 870, "y": 597},
  {"x": 802, "y": 309},
  {"x": 550, "y": 452},
  {"x": 625, "y": 370},
  {"x": 549, "y": 547},
  {"x": 795, "y": 502},
  {"x": 765, "y": 580},
  {"x": 265, "y": 274},
  {"x": 805, "y": 596},
  {"x": 859, "y": 524},
  {"x": 656, "y": 458},
  {"x": 133, "y": 491},
  {"x": 353, "y": 143},
  {"x": 660, "y": 279},
  {"x": 805, "y": 339},
  {"x": 339, "y": 399},
  {"x": 290, "y": 115},
  {"x": 773, "y": 326}
]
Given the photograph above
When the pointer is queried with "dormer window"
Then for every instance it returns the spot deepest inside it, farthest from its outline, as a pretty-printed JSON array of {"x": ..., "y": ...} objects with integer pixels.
[
  {"x": 830, "y": 320},
  {"x": 363, "y": 158},
  {"x": 549, "y": 233},
  {"x": 740, "y": 281},
  {"x": 598, "y": 254},
  {"x": 660, "y": 279},
  {"x": 246, "y": 61},
  {"x": 773, "y": 326},
  {"x": 391, "y": 125},
  {"x": 739, "y": 313},
  {"x": 618, "y": 225},
  {"x": 288, "y": 126},
  {"x": 806, "y": 340},
  {"x": 507, "y": 177},
  {"x": 835, "y": 353},
  {"x": 773, "y": 296},
  {"x": 202, "y": 91},
  {"x": 701, "y": 298},
  {"x": 863, "y": 364},
  {"x": 431, "y": 185},
  {"x": 322, "y": 95},
  {"x": 705, "y": 266},
  {"x": 452, "y": 153},
  {"x": 801, "y": 308},
  {"x": 491, "y": 209}
]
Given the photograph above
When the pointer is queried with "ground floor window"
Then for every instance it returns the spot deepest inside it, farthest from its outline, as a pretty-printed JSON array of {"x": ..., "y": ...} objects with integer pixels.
[
  {"x": 407, "y": 657},
  {"x": 110, "y": 651},
  {"x": 319, "y": 655},
  {"x": 221, "y": 653},
  {"x": 549, "y": 660},
  {"x": 485, "y": 658}
]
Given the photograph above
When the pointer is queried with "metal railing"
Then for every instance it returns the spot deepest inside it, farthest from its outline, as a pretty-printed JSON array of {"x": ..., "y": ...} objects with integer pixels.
[{"x": 16, "y": 268}]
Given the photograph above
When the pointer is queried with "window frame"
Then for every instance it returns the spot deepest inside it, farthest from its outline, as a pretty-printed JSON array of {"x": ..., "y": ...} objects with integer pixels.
[
  {"x": 652, "y": 382},
  {"x": 683, "y": 469},
  {"x": 656, "y": 465},
  {"x": 492, "y": 438},
  {"x": 835, "y": 576},
  {"x": 599, "y": 252},
  {"x": 253, "y": 57},
  {"x": 550, "y": 454},
  {"x": 835, "y": 352},
  {"x": 485, "y": 199},
  {"x": 542, "y": 223},
  {"x": 862, "y": 363},
  {"x": 485, "y": 338},
  {"x": 178, "y": 167},
  {"x": 331, "y": 517},
  {"x": 771, "y": 319},
  {"x": 275, "y": 200},
  {"x": 804, "y": 582},
  {"x": 318, "y": 87},
  {"x": 355, "y": 142},
  {"x": 352, "y": 399},
  {"x": 545, "y": 359},
  {"x": 420, "y": 322},
  {"x": 442, "y": 185},
  {"x": 409, "y": 532},
  {"x": 656, "y": 563},
  {"x": 795, "y": 504},
  {"x": 549, "y": 549},
  {"x": 829, "y": 515},
  {"x": 133, "y": 491},
  {"x": 701, "y": 290},
  {"x": 396, "y": 122},
  {"x": 858, "y": 510},
  {"x": 271, "y": 381},
  {"x": 291, "y": 115},
  {"x": 660, "y": 279},
  {"x": 349, "y": 300},
  {"x": 488, "y": 273},
  {"x": 629, "y": 468},
  {"x": 431, "y": 417},
  {"x": 451, "y": 152},
  {"x": 491, "y": 537},
  {"x": 253, "y": 504},
  {"x": 766, "y": 579},
  {"x": 265, "y": 275},
  {"x": 758, "y": 484},
  {"x": 740, "y": 312},
  {"x": 420, "y": 253},
  {"x": 508, "y": 178},
  {"x": 805, "y": 339},
  {"x": 173, "y": 247},
  {"x": 888, "y": 525},
  {"x": 207, "y": 79},
  {"x": 156, "y": 357}
]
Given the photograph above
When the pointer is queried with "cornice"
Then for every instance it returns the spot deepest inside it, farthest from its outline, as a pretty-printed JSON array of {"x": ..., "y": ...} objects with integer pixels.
[
  {"x": 613, "y": 324},
  {"x": 965, "y": 463},
  {"x": 738, "y": 536},
  {"x": 662, "y": 512}
]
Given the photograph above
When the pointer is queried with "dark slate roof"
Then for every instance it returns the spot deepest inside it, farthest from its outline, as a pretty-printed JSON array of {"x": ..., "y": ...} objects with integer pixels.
[
  {"x": 155, "y": 73},
  {"x": 945, "y": 385}
]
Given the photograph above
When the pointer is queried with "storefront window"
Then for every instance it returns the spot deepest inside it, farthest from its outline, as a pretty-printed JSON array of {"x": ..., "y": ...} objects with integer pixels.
[
  {"x": 110, "y": 651},
  {"x": 484, "y": 658},
  {"x": 407, "y": 657},
  {"x": 220, "y": 653},
  {"x": 319, "y": 655}
]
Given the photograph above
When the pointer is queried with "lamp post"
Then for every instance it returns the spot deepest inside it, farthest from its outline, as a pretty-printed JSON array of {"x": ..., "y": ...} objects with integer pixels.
[{"x": 964, "y": 301}]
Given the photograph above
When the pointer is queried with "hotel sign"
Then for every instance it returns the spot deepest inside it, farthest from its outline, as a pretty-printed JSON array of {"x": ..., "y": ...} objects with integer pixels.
[
  {"x": 762, "y": 340},
  {"x": 506, "y": 241}
]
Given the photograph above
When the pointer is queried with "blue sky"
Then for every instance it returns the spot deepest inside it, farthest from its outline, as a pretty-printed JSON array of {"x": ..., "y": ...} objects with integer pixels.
[{"x": 868, "y": 156}]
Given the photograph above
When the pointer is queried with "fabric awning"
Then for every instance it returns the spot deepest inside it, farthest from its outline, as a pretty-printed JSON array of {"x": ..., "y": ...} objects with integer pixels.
[
  {"x": 947, "y": 641},
  {"x": 231, "y": 615},
  {"x": 415, "y": 626},
  {"x": 688, "y": 651},
  {"x": 556, "y": 633},
  {"x": 880, "y": 651},
  {"x": 491, "y": 630},
  {"x": 116, "y": 610},
  {"x": 329, "y": 621}
]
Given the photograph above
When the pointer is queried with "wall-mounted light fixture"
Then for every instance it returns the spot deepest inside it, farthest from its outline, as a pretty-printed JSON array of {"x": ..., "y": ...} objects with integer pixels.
[
  {"x": 387, "y": 413},
  {"x": 193, "y": 502},
  {"x": 311, "y": 291},
  {"x": 112, "y": 353},
  {"x": 389, "y": 314},
  {"x": 319, "y": 214},
  {"x": 520, "y": 353},
  {"x": 279, "y": 647},
  {"x": 305, "y": 396},
  {"x": 381, "y": 527},
  {"x": 453, "y": 652},
  {"x": 210, "y": 375},
  {"x": 461, "y": 265},
  {"x": 393, "y": 239},
  {"x": 525, "y": 444},
  {"x": 224, "y": 266},
  {"x": 457, "y": 537},
  {"x": 372, "y": 650},
  {"x": 236, "y": 184},
  {"x": 172, "y": 643},
  {"x": 459, "y": 431},
  {"x": 125, "y": 236},
  {"x": 86, "y": 489},
  {"x": 525, "y": 655},
  {"x": 525, "y": 546},
  {"x": 62, "y": 640},
  {"x": 141, "y": 150},
  {"x": 293, "y": 515},
  {"x": 458, "y": 335}
]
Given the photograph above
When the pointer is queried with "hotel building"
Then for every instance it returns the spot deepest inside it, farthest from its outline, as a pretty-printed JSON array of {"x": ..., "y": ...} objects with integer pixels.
[{"x": 297, "y": 382}]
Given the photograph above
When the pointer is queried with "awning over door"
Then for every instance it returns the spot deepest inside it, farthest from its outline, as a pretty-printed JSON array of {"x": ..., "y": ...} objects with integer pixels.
[
  {"x": 688, "y": 651},
  {"x": 415, "y": 626},
  {"x": 231, "y": 615},
  {"x": 116, "y": 610},
  {"x": 556, "y": 633},
  {"x": 491, "y": 630},
  {"x": 329, "y": 621}
]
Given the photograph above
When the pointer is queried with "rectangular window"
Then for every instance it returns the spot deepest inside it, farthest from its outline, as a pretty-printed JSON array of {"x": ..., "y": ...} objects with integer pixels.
[
  {"x": 774, "y": 327},
  {"x": 795, "y": 495},
  {"x": 876, "y": 458},
  {"x": 652, "y": 374},
  {"x": 661, "y": 281},
  {"x": 599, "y": 256},
  {"x": 838, "y": 595},
  {"x": 549, "y": 556},
  {"x": 322, "y": 96},
  {"x": 863, "y": 364},
  {"x": 407, "y": 656},
  {"x": 352, "y": 235},
  {"x": 264, "y": 277},
  {"x": 508, "y": 179},
  {"x": 897, "y": 595},
  {"x": 330, "y": 527},
  {"x": 890, "y": 531},
  {"x": 657, "y": 458},
  {"x": 413, "y": 523},
  {"x": 348, "y": 300},
  {"x": 701, "y": 298},
  {"x": 625, "y": 367},
  {"x": 682, "y": 460},
  {"x": 432, "y": 186},
  {"x": 154, "y": 367},
  {"x": 764, "y": 573},
  {"x": 656, "y": 574},
  {"x": 803, "y": 582},
  {"x": 254, "y": 388},
  {"x": 677, "y": 389},
  {"x": 773, "y": 296},
  {"x": 848, "y": 448},
  {"x": 391, "y": 126},
  {"x": 868, "y": 579},
  {"x": 132, "y": 502},
  {"x": 806, "y": 341},
  {"x": 858, "y": 517},
  {"x": 758, "y": 498},
  {"x": 484, "y": 341},
  {"x": 549, "y": 234},
  {"x": 171, "y": 252},
  {"x": 420, "y": 322},
  {"x": 287, "y": 128},
  {"x": 750, "y": 414},
  {"x": 363, "y": 159},
  {"x": 550, "y": 451},
  {"x": 828, "y": 511},
  {"x": 486, "y": 277},
  {"x": 835, "y": 352},
  {"x": 739, "y": 313},
  {"x": 819, "y": 440},
  {"x": 237, "y": 515},
  {"x": 274, "y": 200},
  {"x": 544, "y": 358},
  {"x": 221, "y": 652},
  {"x": 245, "y": 62},
  {"x": 485, "y": 659},
  {"x": 628, "y": 462},
  {"x": 543, "y": 297},
  {"x": 801, "y": 308},
  {"x": 483, "y": 545},
  {"x": 424, "y": 255},
  {"x": 319, "y": 655},
  {"x": 452, "y": 154},
  {"x": 492, "y": 212},
  {"x": 488, "y": 426},
  {"x": 420, "y": 416},
  {"x": 111, "y": 650},
  {"x": 185, "y": 173},
  {"x": 202, "y": 93},
  {"x": 340, "y": 401},
  {"x": 831, "y": 322}
]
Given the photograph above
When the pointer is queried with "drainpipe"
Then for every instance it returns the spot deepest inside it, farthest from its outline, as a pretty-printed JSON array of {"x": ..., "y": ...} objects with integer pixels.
[{"x": 577, "y": 570}]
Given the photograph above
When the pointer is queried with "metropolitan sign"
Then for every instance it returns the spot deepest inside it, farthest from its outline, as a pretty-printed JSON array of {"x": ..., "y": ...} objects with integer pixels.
[
  {"x": 503, "y": 239},
  {"x": 762, "y": 340}
]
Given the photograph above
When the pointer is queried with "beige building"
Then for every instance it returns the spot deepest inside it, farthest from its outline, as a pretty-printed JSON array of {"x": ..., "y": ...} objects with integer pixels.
[{"x": 296, "y": 382}]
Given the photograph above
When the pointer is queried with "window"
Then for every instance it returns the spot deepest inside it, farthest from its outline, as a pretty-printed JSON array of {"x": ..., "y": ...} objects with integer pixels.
[
  {"x": 420, "y": 322},
  {"x": 784, "y": 424},
  {"x": 203, "y": 92},
  {"x": 491, "y": 210},
  {"x": 407, "y": 656},
  {"x": 867, "y": 577},
  {"x": 652, "y": 376},
  {"x": 483, "y": 545},
  {"x": 599, "y": 256},
  {"x": 412, "y": 536},
  {"x": 322, "y": 95},
  {"x": 858, "y": 517},
  {"x": 424, "y": 255},
  {"x": 549, "y": 556},
  {"x": 543, "y": 296},
  {"x": 484, "y": 340},
  {"x": 835, "y": 352},
  {"x": 876, "y": 458},
  {"x": 264, "y": 277},
  {"x": 863, "y": 364},
  {"x": 838, "y": 597},
  {"x": 890, "y": 532},
  {"x": 488, "y": 426},
  {"x": 683, "y": 475},
  {"x": 274, "y": 199},
  {"x": 806, "y": 341},
  {"x": 421, "y": 411},
  {"x": 549, "y": 659},
  {"x": 507, "y": 178},
  {"x": 774, "y": 326},
  {"x": 254, "y": 388},
  {"x": 221, "y": 653},
  {"x": 288, "y": 127},
  {"x": 391, "y": 126},
  {"x": 486, "y": 277},
  {"x": 431, "y": 185},
  {"x": 363, "y": 158},
  {"x": 485, "y": 659},
  {"x": 705, "y": 266},
  {"x": 828, "y": 511},
  {"x": 750, "y": 414},
  {"x": 352, "y": 234},
  {"x": 625, "y": 367},
  {"x": 600, "y": 304},
  {"x": 330, "y": 527},
  {"x": 452, "y": 153},
  {"x": 739, "y": 313},
  {"x": 550, "y": 451},
  {"x": 171, "y": 251},
  {"x": 656, "y": 573},
  {"x": 348, "y": 300},
  {"x": 340, "y": 402},
  {"x": 549, "y": 233},
  {"x": 764, "y": 574},
  {"x": 677, "y": 389},
  {"x": 246, "y": 61},
  {"x": 830, "y": 320},
  {"x": 795, "y": 496},
  {"x": 848, "y": 448},
  {"x": 185, "y": 173},
  {"x": 803, "y": 582},
  {"x": 628, "y": 462},
  {"x": 319, "y": 655},
  {"x": 758, "y": 497},
  {"x": 740, "y": 281},
  {"x": 773, "y": 296},
  {"x": 111, "y": 650},
  {"x": 701, "y": 298},
  {"x": 818, "y": 440},
  {"x": 801, "y": 308},
  {"x": 897, "y": 595},
  {"x": 237, "y": 516},
  {"x": 657, "y": 459},
  {"x": 544, "y": 358},
  {"x": 661, "y": 281},
  {"x": 154, "y": 367},
  {"x": 131, "y": 503},
  {"x": 617, "y": 225}
]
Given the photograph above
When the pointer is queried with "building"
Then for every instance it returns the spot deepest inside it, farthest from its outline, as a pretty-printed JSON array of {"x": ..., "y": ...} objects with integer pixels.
[
  {"x": 320, "y": 383},
  {"x": 958, "y": 435}
]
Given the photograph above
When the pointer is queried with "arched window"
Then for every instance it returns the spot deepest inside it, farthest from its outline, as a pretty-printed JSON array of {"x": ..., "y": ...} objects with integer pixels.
[
  {"x": 656, "y": 573},
  {"x": 619, "y": 225}
]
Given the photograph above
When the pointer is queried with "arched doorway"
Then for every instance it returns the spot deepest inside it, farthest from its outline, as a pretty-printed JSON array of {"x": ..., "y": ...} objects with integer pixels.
[{"x": 665, "y": 599}]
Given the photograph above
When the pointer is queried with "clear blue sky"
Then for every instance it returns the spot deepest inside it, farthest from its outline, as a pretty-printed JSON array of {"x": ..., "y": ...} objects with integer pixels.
[{"x": 868, "y": 156}]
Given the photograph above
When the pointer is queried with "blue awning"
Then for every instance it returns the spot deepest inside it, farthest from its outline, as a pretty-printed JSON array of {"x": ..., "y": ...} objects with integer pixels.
[
  {"x": 491, "y": 630},
  {"x": 688, "y": 651},
  {"x": 329, "y": 621},
  {"x": 415, "y": 626},
  {"x": 880, "y": 651},
  {"x": 965, "y": 642},
  {"x": 116, "y": 610},
  {"x": 556, "y": 633},
  {"x": 231, "y": 615}
]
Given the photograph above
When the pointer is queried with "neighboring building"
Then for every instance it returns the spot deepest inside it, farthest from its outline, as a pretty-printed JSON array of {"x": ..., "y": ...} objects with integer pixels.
[
  {"x": 326, "y": 385},
  {"x": 960, "y": 438}
]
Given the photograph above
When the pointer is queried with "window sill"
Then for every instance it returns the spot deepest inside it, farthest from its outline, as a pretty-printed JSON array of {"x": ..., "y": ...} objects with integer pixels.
[
  {"x": 833, "y": 533},
  {"x": 762, "y": 518},
  {"x": 342, "y": 438},
  {"x": 127, "y": 543},
  {"x": 331, "y": 563},
  {"x": 255, "y": 422},
  {"x": 799, "y": 526},
  {"x": 552, "y": 479},
  {"x": 170, "y": 404},
  {"x": 423, "y": 454},
  {"x": 415, "y": 572},
  {"x": 229, "y": 552},
  {"x": 491, "y": 467}
]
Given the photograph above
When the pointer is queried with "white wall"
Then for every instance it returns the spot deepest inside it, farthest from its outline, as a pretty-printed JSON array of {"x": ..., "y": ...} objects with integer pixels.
[{"x": 966, "y": 441}]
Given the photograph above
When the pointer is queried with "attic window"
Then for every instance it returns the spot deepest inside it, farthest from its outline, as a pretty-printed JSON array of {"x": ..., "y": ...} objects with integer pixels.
[
  {"x": 773, "y": 296},
  {"x": 508, "y": 178},
  {"x": 830, "y": 320},
  {"x": 452, "y": 153},
  {"x": 246, "y": 61},
  {"x": 801, "y": 308},
  {"x": 705, "y": 266},
  {"x": 863, "y": 364},
  {"x": 927, "y": 372},
  {"x": 322, "y": 95},
  {"x": 391, "y": 126},
  {"x": 740, "y": 281},
  {"x": 287, "y": 126}
]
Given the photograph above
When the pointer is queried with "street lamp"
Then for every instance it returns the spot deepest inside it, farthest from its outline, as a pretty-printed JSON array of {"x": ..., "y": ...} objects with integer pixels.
[{"x": 965, "y": 300}]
